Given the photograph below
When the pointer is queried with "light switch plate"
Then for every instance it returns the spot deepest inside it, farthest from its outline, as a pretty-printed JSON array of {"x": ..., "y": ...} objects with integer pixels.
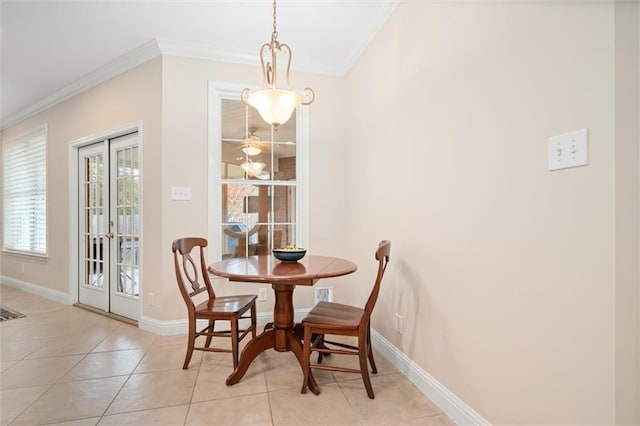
[
  {"x": 568, "y": 150},
  {"x": 181, "y": 193}
]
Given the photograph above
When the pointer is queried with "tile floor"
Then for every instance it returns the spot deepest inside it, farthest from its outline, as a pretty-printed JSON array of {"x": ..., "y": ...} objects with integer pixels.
[{"x": 64, "y": 365}]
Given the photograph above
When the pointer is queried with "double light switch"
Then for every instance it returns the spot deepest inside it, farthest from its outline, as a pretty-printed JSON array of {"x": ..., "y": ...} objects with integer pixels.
[{"x": 568, "y": 150}]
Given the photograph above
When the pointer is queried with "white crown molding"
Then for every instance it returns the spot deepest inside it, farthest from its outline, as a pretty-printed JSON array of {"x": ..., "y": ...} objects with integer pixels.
[
  {"x": 118, "y": 66},
  {"x": 156, "y": 47},
  {"x": 211, "y": 53},
  {"x": 449, "y": 403}
]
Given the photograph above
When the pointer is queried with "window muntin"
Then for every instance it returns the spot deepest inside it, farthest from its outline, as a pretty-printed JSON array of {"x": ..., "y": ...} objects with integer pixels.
[
  {"x": 258, "y": 208},
  {"x": 25, "y": 193}
]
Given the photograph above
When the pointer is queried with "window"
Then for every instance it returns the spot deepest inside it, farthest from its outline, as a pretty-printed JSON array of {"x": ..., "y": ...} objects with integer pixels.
[
  {"x": 25, "y": 193},
  {"x": 255, "y": 171}
]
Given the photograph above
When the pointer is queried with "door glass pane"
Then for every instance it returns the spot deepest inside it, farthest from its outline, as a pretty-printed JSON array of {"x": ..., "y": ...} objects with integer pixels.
[
  {"x": 128, "y": 222},
  {"x": 93, "y": 233}
]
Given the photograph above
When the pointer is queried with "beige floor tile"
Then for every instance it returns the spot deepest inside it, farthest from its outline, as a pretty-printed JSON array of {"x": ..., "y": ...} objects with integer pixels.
[
  {"x": 126, "y": 337},
  {"x": 77, "y": 390},
  {"x": 437, "y": 420},
  {"x": 285, "y": 372},
  {"x": 7, "y": 332},
  {"x": 155, "y": 390},
  {"x": 14, "y": 401},
  {"x": 397, "y": 400},
  {"x": 242, "y": 410},
  {"x": 80, "y": 343},
  {"x": 37, "y": 372},
  {"x": 352, "y": 361},
  {"x": 169, "y": 416},
  {"x": 13, "y": 350},
  {"x": 290, "y": 407},
  {"x": 105, "y": 364},
  {"x": 211, "y": 383},
  {"x": 91, "y": 421},
  {"x": 178, "y": 339},
  {"x": 72, "y": 401},
  {"x": 6, "y": 364},
  {"x": 169, "y": 357}
]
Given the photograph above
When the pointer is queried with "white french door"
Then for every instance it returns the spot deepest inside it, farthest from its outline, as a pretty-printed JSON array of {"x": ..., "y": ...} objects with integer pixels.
[{"x": 109, "y": 225}]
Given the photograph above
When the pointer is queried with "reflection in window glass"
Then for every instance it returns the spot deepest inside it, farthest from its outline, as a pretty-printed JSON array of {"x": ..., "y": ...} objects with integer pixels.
[{"x": 258, "y": 188}]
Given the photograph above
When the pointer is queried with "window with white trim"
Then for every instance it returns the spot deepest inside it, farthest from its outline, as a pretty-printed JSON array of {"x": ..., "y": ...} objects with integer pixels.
[
  {"x": 25, "y": 193},
  {"x": 255, "y": 172}
]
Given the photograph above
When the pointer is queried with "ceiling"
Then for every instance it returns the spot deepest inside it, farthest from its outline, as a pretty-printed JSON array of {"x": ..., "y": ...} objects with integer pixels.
[{"x": 51, "y": 50}]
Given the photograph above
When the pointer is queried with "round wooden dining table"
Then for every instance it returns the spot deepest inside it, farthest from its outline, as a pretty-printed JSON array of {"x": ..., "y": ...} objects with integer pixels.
[{"x": 283, "y": 277}]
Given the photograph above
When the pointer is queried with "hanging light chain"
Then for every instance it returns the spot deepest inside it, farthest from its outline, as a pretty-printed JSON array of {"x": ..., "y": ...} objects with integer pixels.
[{"x": 274, "y": 34}]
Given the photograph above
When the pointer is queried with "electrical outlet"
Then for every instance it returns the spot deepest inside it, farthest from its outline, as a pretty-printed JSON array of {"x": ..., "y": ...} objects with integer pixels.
[
  {"x": 151, "y": 299},
  {"x": 324, "y": 294},
  {"x": 262, "y": 294},
  {"x": 397, "y": 323}
]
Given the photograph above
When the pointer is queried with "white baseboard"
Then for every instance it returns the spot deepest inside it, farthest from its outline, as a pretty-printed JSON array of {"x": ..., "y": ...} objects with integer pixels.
[
  {"x": 47, "y": 293},
  {"x": 174, "y": 327},
  {"x": 449, "y": 403}
]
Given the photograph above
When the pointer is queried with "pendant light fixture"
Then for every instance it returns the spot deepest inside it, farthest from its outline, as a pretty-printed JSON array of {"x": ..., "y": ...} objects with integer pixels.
[
  {"x": 251, "y": 144},
  {"x": 275, "y": 105},
  {"x": 252, "y": 169}
]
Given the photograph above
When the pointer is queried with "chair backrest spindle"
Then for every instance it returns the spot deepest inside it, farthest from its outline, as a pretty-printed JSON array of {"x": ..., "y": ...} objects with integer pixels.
[
  {"x": 191, "y": 279},
  {"x": 382, "y": 256}
]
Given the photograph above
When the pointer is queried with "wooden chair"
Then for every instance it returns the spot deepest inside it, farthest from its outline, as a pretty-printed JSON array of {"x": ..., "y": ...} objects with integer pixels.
[
  {"x": 344, "y": 320},
  {"x": 193, "y": 280}
]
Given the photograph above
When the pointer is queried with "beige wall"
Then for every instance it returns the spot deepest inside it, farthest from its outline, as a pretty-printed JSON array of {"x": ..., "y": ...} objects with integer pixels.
[
  {"x": 509, "y": 277},
  {"x": 627, "y": 45},
  {"x": 184, "y": 147},
  {"x": 132, "y": 96},
  {"x": 505, "y": 273},
  {"x": 169, "y": 95}
]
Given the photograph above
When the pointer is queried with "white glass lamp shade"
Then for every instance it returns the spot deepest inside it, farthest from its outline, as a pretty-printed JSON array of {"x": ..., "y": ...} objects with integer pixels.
[
  {"x": 251, "y": 150},
  {"x": 275, "y": 105},
  {"x": 252, "y": 169}
]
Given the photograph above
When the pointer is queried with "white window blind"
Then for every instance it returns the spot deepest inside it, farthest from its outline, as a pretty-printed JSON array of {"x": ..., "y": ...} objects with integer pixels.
[{"x": 25, "y": 193}]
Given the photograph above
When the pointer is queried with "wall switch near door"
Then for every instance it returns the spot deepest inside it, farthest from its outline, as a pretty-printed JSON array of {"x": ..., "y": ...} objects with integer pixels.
[{"x": 181, "y": 193}]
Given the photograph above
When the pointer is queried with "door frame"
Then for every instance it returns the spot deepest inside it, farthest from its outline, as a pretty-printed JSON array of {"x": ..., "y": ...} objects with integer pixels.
[{"x": 74, "y": 146}]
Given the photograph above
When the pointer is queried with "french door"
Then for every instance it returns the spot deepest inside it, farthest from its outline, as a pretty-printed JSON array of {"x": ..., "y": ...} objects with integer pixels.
[{"x": 109, "y": 225}]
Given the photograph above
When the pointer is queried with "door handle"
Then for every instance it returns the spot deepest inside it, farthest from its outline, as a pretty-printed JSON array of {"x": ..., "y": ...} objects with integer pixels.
[{"x": 109, "y": 235}]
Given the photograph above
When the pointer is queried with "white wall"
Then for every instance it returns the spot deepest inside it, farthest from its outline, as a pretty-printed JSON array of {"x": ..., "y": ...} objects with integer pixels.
[{"x": 504, "y": 272}]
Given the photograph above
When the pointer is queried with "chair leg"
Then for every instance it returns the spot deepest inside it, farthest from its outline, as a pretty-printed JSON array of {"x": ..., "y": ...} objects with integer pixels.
[
  {"x": 254, "y": 321},
  {"x": 306, "y": 357},
  {"x": 320, "y": 345},
  {"x": 212, "y": 325},
  {"x": 234, "y": 341},
  {"x": 374, "y": 370},
  {"x": 190, "y": 343},
  {"x": 364, "y": 368}
]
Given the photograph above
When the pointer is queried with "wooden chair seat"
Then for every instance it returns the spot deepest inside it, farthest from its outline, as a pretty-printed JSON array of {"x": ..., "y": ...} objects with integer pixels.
[
  {"x": 343, "y": 320},
  {"x": 193, "y": 279},
  {"x": 329, "y": 314},
  {"x": 225, "y": 305}
]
